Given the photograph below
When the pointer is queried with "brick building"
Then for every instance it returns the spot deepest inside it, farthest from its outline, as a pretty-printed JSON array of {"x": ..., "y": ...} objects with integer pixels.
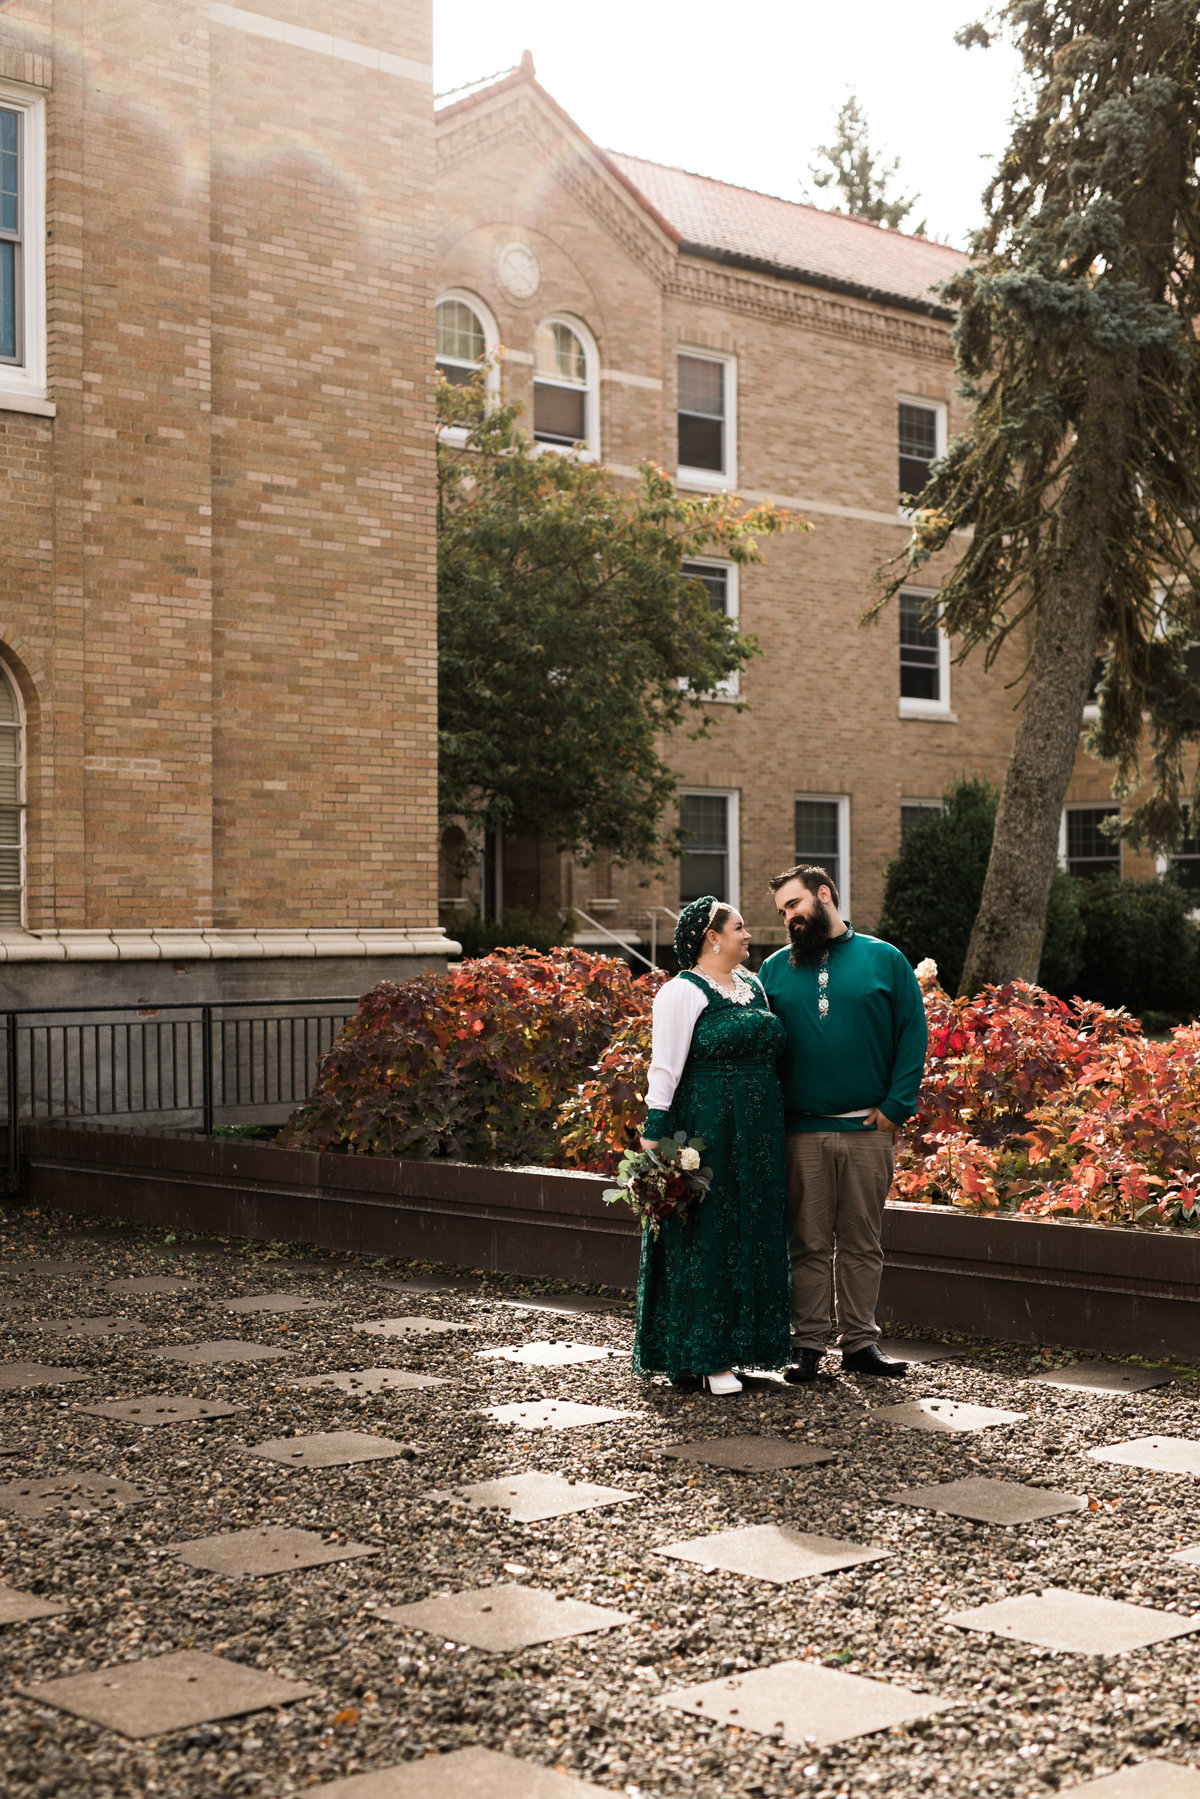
[
  {"x": 749, "y": 343},
  {"x": 217, "y": 616}
]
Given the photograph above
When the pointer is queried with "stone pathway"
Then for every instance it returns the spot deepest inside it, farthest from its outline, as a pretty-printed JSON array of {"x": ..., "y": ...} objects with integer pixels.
[{"x": 360, "y": 1552}]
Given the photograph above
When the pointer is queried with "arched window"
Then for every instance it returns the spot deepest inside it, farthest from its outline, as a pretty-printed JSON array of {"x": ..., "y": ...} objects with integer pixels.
[
  {"x": 564, "y": 384},
  {"x": 465, "y": 337},
  {"x": 12, "y": 805}
]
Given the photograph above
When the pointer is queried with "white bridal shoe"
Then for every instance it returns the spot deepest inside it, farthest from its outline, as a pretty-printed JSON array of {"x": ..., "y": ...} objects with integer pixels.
[{"x": 722, "y": 1384}]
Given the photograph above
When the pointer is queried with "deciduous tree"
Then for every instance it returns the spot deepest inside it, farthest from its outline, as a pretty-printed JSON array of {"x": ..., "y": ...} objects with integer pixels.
[{"x": 572, "y": 640}]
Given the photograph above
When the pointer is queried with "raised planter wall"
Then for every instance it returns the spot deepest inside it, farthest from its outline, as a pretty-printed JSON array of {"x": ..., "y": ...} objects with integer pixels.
[{"x": 1116, "y": 1292}]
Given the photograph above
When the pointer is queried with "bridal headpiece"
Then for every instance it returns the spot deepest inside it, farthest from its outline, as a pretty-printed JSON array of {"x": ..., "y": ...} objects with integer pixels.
[{"x": 693, "y": 922}]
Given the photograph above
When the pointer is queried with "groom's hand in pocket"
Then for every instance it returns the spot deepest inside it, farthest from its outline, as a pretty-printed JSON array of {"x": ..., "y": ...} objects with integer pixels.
[{"x": 881, "y": 1122}]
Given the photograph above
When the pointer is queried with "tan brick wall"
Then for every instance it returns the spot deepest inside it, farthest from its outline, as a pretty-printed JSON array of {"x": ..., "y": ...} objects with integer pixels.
[{"x": 218, "y": 588}]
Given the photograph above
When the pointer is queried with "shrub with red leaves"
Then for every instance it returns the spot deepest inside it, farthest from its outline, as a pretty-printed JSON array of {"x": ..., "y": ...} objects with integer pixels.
[
  {"x": 1054, "y": 1109},
  {"x": 471, "y": 1064}
]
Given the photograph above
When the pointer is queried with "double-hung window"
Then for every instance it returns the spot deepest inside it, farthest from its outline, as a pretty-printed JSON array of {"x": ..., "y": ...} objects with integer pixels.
[
  {"x": 924, "y": 654},
  {"x": 922, "y": 433},
  {"x": 822, "y": 827},
  {"x": 915, "y": 812},
  {"x": 1085, "y": 848},
  {"x": 1184, "y": 862},
  {"x": 721, "y": 581},
  {"x": 564, "y": 385},
  {"x": 22, "y": 251},
  {"x": 706, "y": 402},
  {"x": 708, "y": 860}
]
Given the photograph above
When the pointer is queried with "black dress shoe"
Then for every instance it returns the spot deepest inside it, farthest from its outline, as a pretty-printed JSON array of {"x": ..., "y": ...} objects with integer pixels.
[
  {"x": 804, "y": 1368},
  {"x": 870, "y": 1361}
]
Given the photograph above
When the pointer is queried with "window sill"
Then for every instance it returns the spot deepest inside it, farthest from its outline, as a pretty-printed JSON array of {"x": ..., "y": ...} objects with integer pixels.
[
  {"x": 14, "y": 400},
  {"x": 707, "y": 480},
  {"x": 930, "y": 714}
]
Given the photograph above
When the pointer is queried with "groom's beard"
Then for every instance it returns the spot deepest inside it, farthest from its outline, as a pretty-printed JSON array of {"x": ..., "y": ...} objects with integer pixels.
[{"x": 810, "y": 937}]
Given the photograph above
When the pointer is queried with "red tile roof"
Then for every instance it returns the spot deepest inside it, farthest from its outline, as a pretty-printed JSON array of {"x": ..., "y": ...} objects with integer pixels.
[{"x": 737, "y": 225}]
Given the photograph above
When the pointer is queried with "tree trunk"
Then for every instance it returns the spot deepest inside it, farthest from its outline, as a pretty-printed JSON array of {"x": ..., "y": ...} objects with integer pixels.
[{"x": 1006, "y": 942}]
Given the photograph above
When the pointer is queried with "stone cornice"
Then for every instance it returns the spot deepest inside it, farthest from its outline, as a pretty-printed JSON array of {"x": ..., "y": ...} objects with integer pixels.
[
  {"x": 217, "y": 946},
  {"x": 771, "y": 297}
]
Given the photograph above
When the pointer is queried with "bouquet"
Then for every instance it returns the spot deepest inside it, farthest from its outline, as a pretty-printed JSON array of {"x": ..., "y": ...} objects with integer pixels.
[{"x": 663, "y": 1182}]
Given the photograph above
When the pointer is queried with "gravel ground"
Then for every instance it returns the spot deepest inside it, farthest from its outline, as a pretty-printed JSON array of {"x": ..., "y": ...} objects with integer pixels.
[{"x": 1026, "y": 1721}]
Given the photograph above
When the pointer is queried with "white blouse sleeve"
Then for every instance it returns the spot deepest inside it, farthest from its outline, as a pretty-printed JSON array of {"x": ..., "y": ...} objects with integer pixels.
[{"x": 677, "y": 1006}]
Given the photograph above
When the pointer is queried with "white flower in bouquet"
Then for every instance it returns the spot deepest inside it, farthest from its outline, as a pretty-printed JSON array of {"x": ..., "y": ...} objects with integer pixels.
[
  {"x": 689, "y": 1160},
  {"x": 927, "y": 971}
]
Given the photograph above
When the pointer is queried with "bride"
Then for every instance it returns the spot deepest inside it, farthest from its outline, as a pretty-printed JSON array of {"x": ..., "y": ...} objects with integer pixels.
[{"x": 714, "y": 1286}]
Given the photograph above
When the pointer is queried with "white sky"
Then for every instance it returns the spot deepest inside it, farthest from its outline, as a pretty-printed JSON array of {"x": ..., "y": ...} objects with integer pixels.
[{"x": 747, "y": 92}]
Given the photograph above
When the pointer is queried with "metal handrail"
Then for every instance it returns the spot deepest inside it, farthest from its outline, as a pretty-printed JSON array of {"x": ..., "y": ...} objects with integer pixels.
[{"x": 597, "y": 926}]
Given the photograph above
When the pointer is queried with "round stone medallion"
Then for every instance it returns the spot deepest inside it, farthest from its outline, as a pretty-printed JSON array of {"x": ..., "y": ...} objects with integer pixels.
[{"x": 517, "y": 271}]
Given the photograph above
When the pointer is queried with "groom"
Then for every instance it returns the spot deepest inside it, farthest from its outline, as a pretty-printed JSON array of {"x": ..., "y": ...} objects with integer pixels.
[{"x": 856, "y": 1031}]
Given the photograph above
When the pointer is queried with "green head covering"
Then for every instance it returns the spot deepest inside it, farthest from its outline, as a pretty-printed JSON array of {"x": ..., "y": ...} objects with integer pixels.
[{"x": 693, "y": 922}]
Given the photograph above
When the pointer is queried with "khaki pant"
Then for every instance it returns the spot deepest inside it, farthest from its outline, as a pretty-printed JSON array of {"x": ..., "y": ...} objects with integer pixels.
[{"x": 837, "y": 1183}]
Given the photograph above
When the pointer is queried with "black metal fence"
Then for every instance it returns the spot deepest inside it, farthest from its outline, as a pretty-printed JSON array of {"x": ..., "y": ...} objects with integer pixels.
[{"x": 183, "y": 1063}]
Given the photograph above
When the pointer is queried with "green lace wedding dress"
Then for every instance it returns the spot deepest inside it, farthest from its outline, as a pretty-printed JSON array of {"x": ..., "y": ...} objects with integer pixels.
[{"x": 714, "y": 1290}]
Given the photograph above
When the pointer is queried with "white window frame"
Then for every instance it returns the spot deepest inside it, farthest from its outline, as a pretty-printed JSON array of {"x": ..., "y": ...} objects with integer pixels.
[
  {"x": 918, "y": 805},
  {"x": 842, "y": 800},
  {"x": 22, "y": 803},
  {"x": 1087, "y": 806},
  {"x": 728, "y": 689},
  {"x": 940, "y": 409},
  {"x": 733, "y": 821},
  {"x": 589, "y": 450},
  {"x": 491, "y": 347},
  {"x": 939, "y": 708},
  {"x": 23, "y": 384},
  {"x": 711, "y": 480}
]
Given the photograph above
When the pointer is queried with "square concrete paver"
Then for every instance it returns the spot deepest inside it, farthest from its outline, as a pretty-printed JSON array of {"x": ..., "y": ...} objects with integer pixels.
[
  {"x": 553, "y": 1414},
  {"x": 409, "y": 1327},
  {"x": 224, "y": 1349},
  {"x": 752, "y": 1455},
  {"x": 570, "y": 1305},
  {"x": 167, "y": 1692},
  {"x": 463, "y": 1774},
  {"x": 370, "y": 1380},
  {"x": 18, "y": 1608},
  {"x": 52, "y": 1265},
  {"x": 1059, "y": 1619},
  {"x": 504, "y": 1617},
  {"x": 36, "y": 1374},
  {"x": 991, "y": 1501},
  {"x": 899, "y": 1349},
  {"x": 548, "y": 1355},
  {"x": 151, "y": 1283},
  {"x": 275, "y": 1549},
  {"x": 330, "y": 1449},
  {"x": 161, "y": 1408},
  {"x": 86, "y": 1327},
  {"x": 943, "y": 1415},
  {"x": 527, "y": 1498},
  {"x": 1190, "y": 1555},
  {"x": 1161, "y": 1455},
  {"x": 1103, "y": 1377},
  {"x": 805, "y": 1704},
  {"x": 274, "y": 1302},
  {"x": 71, "y": 1492},
  {"x": 1146, "y": 1780},
  {"x": 772, "y": 1552}
]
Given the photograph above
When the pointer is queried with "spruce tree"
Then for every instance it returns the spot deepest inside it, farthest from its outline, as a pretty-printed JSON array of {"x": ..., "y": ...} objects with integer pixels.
[
  {"x": 859, "y": 175},
  {"x": 1076, "y": 487}
]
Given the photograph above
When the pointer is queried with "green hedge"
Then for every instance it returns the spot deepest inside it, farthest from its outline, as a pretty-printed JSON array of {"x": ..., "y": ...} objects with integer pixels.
[
  {"x": 935, "y": 884},
  {"x": 1121, "y": 942}
]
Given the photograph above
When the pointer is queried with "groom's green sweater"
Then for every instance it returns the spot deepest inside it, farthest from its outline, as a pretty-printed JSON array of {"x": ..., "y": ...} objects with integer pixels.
[{"x": 866, "y": 1050}]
